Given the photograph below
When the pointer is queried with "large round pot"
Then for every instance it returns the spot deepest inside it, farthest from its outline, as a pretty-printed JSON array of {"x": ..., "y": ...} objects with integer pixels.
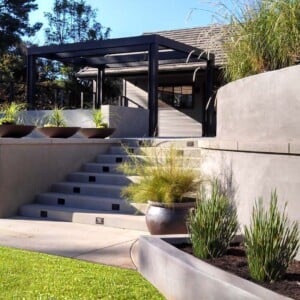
[
  {"x": 171, "y": 219},
  {"x": 58, "y": 132},
  {"x": 15, "y": 131},
  {"x": 96, "y": 133}
]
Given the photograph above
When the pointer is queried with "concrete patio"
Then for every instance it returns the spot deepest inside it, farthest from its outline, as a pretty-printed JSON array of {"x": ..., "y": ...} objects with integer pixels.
[{"x": 102, "y": 245}]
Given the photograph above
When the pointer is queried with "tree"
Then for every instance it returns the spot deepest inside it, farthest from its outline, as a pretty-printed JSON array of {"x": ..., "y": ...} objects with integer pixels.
[
  {"x": 73, "y": 21},
  {"x": 70, "y": 21},
  {"x": 14, "y": 22}
]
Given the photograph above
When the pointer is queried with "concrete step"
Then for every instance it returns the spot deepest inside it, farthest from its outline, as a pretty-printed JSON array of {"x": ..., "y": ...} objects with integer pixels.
[
  {"x": 186, "y": 151},
  {"x": 161, "y": 142},
  {"x": 113, "y": 158},
  {"x": 86, "y": 202},
  {"x": 89, "y": 189},
  {"x": 84, "y": 216},
  {"x": 101, "y": 168},
  {"x": 99, "y": 178}
]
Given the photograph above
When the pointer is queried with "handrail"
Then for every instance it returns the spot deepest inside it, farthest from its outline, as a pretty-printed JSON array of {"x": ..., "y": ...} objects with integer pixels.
[{"x": 124, "y": 102}]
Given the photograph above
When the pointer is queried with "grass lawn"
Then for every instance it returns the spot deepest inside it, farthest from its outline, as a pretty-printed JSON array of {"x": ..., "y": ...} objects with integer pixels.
[{"x": 29, "y": 275}]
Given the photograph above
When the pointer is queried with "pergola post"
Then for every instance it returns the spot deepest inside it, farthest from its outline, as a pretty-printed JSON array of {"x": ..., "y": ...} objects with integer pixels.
[
  {"x": 100, "y": 82},
  {"x": 208, "y": 107},
  {"x": 31, "y": 71},
  {"x": 152, "y": 89}
]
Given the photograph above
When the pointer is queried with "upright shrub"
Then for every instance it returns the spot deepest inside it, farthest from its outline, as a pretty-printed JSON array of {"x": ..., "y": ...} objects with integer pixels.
[
  {"x": 271, "y": 241},
  {"x": 213, "y": 223}
]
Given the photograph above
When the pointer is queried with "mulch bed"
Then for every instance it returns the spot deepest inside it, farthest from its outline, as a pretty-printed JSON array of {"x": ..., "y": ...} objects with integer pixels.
[{"x": 234, "y": 261}]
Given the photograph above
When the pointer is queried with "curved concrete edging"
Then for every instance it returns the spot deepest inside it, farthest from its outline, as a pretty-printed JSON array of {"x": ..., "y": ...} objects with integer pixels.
[{"x": 181, "y": 276}]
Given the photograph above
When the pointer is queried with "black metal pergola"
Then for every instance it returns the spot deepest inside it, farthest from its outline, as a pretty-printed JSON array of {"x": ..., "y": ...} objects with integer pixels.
[{"x": 151, "y": 50}]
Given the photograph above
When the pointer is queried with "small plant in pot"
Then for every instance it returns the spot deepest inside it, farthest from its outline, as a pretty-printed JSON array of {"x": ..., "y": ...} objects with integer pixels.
[
  {"x": 164, "y": 180},
  {"x": 101, "y": 129},
  {"x": 55, "y": 126},
  {"x": 10, "y": 120}
]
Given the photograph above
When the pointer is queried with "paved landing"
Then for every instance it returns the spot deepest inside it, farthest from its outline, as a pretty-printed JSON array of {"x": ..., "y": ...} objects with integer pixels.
[{"x": 104, "y": 245}]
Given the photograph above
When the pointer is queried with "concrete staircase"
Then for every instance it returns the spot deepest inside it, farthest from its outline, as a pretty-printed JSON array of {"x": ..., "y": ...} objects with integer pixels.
[
  {"x": 173, "y": 123},
  {"x": 92, "y": 195}
]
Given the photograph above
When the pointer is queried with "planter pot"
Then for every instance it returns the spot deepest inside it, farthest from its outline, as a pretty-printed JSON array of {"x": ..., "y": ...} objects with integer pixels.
[
  {"x": 162, "y": 219},
  {"x": 180, "y": 276},
  {"x": 58, "y": 132},
  {"x": 96, "y": 133},
  {"x": 15, "y": 131}
]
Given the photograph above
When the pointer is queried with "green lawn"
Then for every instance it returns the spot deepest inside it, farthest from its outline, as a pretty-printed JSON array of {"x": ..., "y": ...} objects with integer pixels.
[{"x": 28, "y": 275}]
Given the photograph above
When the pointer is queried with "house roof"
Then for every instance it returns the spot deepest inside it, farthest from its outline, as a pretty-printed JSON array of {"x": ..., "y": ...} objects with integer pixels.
[{"x": 208, "y": 38}]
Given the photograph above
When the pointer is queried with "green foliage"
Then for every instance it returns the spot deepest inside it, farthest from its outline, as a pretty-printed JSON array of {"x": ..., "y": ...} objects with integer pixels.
[
  {"x": 73, "y": 21},
  {"x": 14, "y": 22},
  {"x": 271, "y": 241},
  {"x": 98, "y": 119},
  {"x": 29, "y": 275},
  {"x": 56, "y": 119},
  {"x": 263, "y": 35},
  {"x": 10, "y": 112},
  {"x": 212, "y": 224},
  {"x": 164, "y": 176}
]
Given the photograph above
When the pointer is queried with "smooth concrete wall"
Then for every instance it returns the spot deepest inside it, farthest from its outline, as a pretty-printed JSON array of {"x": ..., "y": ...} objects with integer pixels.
[
  {"x": 129, "y": 122},
  {"x": 30, "y": 166},
  {"x": 261, "y": 107},
  {"x": 253, "y": 170}
]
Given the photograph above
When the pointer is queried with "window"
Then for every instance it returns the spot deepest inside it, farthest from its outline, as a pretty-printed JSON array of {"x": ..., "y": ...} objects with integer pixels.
[{"x": 179, "y": 96}]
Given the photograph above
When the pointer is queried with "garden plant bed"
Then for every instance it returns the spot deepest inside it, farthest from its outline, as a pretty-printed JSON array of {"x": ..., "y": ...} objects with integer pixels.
[
  {"x": 234, "y": 261},
  {"x": 180, "y": 276}
]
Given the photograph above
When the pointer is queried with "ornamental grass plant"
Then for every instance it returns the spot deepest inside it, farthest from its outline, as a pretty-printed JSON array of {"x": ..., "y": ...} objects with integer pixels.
[
  {"x": 56, "y": 119},
  {"x": 259, "y": 36},
  {"x": 264, "y": 36},
  {"x": 271, "y": 241},
  {"x": 163, "y": 175},
  {"x": 10, "y": 112},
  {"x": 213, "y": 223},
  {"x": 98, "y": 119}
]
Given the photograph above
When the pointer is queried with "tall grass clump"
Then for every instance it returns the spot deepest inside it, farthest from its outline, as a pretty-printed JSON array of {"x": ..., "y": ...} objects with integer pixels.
[
  {"x": 56, "y": 119},
  {"x": 213, "y": 223},
  {"x": 163, "y": 175},
  {"x": 10, "y": 112},
  {"x": 263, "y": 35},
  {"x": 271, "y": 241}
]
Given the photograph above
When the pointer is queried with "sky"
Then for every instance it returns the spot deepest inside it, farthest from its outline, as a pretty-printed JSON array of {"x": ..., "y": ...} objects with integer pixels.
[{"x": 133, "y": 17}]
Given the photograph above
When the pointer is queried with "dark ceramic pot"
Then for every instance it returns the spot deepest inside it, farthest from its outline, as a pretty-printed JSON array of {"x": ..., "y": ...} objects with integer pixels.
[
  {"x": 15, "y": 131},
  {"x": 96, "y": 133},
  {"x": 162, "y": 219},
  {"x": 58, "y": 132}
]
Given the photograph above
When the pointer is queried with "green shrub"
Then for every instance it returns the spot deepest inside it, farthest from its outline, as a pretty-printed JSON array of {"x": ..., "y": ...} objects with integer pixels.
[
  {"x": 271, "y": 241},
  {"x": 213, "y": 223}
]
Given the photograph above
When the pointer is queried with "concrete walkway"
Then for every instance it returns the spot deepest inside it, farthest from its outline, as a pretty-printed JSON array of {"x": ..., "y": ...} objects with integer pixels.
[{"x": 94, "y": 243}]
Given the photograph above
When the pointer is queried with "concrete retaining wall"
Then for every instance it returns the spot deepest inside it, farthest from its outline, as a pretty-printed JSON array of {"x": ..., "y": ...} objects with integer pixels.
[
  {"x": 253, "y": 170},
  {"x": 30, "y": 166},
  {"x": 261, "y": 107}
]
